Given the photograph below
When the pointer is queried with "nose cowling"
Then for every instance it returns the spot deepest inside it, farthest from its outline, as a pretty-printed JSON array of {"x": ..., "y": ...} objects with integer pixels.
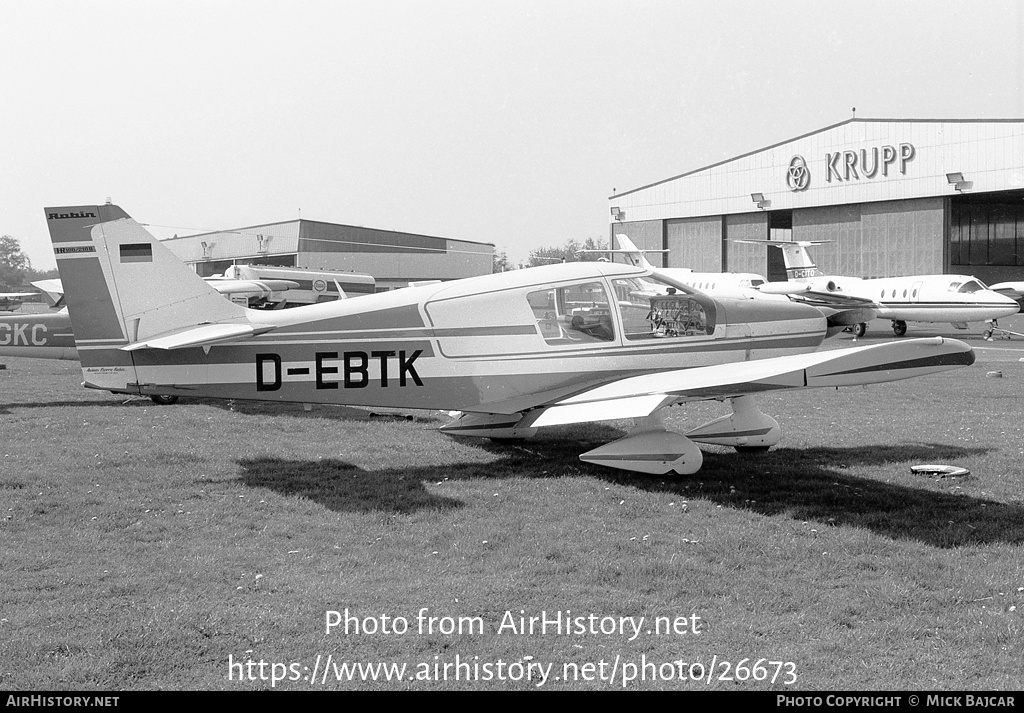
[{"x": 763, "y": 317}]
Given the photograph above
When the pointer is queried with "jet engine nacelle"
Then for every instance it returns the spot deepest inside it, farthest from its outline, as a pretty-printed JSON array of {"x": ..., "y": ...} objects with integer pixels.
[{"x": 745, "y": 427}]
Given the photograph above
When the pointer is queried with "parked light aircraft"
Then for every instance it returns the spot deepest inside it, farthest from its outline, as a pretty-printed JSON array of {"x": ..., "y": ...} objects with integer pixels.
[
  {"x": 514, "y": 351},
  {"x": 840, "y": 310},
  {"x": 308, "y": 286},
  {"x": 10, "y": 301},
  {"x": 47, "y": 335},
  {"x": 957, "y": 299}
]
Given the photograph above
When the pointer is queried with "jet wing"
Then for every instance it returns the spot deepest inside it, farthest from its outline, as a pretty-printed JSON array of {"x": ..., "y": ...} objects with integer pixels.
[
  {"x": 841, "y": 310},
  {"x": 200, "y": 336},
  {"x": 639, "y": 396},
  {"x": 17, "y": 295}
]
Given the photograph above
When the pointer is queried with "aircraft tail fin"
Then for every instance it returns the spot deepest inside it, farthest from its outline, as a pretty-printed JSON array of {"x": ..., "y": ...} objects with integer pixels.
[
  {"x": 121, "y": 285},
  {"x": 799, "y": 265},
  {"x": 634, "y": 255}
]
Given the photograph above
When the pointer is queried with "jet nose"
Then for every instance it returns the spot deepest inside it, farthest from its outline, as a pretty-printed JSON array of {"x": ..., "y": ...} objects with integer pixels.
[{"x": 1010, "y": 305}]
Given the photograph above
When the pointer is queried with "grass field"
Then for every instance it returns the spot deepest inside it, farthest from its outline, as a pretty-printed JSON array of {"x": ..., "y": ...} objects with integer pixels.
[{"x": 149, "y": 547}]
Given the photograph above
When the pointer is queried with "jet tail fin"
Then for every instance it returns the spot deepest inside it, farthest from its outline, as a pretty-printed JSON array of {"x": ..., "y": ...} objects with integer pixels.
[
  {"x": 634, "y": 255},
  {"x": 799, "y": 265}
]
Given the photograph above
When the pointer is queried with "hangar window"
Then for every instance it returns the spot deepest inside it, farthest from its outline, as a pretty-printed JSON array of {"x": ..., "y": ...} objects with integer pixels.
[
  {"x": 573, "y": 315},
  {"x": 653, "y": 309},
  {"x": 987, "y": 230}
]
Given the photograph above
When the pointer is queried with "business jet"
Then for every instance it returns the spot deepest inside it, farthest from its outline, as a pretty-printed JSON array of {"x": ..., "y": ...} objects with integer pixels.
[
  {"x": 513, "y": 352},
  {"x": 957, "y": 299},
  {"x": 841, "y": 310}
]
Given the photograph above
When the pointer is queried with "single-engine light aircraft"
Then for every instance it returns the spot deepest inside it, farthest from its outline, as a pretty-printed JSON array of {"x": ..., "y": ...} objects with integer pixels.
[
  {"x": 45, "y": 335},
  {"x": 957, "y": 299},
  {"x": 10, "y": 301},
  {"x": 513, "y": 352}
]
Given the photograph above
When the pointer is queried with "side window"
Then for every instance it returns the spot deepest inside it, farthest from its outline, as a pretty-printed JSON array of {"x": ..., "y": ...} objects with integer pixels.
[
  {"x": 577, "y": 314},
  {"x": 651, "y": 310}
]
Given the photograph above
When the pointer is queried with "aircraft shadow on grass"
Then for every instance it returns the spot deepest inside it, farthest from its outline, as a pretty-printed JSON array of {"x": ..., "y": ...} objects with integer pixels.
[
  {"x": 343, "y": 487},
  {"x": 803, "y": 484}
]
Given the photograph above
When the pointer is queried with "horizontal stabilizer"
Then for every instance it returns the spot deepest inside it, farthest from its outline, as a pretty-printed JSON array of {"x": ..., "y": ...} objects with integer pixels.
[
  {"x": 779, "y": 243},
  {"x": 200, "y": 336}
]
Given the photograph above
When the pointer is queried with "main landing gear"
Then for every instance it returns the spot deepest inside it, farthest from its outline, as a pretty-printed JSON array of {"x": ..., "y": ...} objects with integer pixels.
[{"x": 899, "y": 328}]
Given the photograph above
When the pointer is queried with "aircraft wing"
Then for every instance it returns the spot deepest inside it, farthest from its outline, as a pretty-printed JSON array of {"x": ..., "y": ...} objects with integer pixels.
[
  {"x": 639, "y": 396},
  {"x": 12, "y": 300},
  {"x": 229, "y": 286}
]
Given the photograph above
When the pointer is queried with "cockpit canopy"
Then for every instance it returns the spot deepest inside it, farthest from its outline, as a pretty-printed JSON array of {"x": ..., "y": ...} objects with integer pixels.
[
  {"x": 967, "y": 286},
  {"x": 647, "y": 307}
]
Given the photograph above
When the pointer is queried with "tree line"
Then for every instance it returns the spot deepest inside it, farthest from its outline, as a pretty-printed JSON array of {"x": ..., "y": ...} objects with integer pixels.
[
  {"x": 571, "y": 251},
  {"x": 16, "y": 270}
]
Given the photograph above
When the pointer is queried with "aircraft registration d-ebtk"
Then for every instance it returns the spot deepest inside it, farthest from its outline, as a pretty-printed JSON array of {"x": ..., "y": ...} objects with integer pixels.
[{"x": 514, "y": 352}]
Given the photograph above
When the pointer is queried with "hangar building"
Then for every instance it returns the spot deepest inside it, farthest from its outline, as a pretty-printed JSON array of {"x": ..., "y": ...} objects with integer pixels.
[
  {"x": 393, "y": 258},
  {"x": 895, "y": 197}
]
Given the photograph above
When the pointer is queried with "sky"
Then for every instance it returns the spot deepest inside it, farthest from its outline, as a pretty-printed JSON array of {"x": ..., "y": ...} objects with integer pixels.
[{"x": 504, "y": 122}]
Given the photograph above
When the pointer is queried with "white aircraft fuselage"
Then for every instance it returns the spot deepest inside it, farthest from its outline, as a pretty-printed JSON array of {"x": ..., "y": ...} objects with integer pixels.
[
  {"x": 925, "y": 298},
  {"x": 513, "y": 352},
  {"x": 47, "y": 335},
  {"x": 957, "y": 299}
]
